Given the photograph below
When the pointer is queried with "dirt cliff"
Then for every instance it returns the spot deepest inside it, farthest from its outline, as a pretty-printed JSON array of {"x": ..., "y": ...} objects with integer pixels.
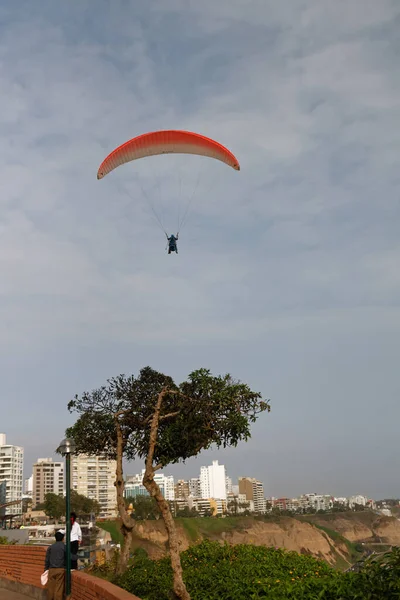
[
  {"x": 329, "y": 537},
  {"x": 367, "y": 527},
  {"x": 283, "y": 532}
]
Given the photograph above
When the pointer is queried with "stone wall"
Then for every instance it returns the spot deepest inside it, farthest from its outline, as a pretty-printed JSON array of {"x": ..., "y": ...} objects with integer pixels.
[{"x": 21, "y": 536}]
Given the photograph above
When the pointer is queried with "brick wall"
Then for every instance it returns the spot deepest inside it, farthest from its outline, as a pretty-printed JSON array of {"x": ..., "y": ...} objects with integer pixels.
[{"x": 23, "y": 566}]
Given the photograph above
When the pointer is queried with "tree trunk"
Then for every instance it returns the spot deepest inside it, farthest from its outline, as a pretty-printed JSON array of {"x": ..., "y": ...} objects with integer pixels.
[
  {"x": 173, "y": 541},
  {"x": 128, "y": 523},
  {"x": 154, "y": 491},
  {"x": 125, "y": 550}
]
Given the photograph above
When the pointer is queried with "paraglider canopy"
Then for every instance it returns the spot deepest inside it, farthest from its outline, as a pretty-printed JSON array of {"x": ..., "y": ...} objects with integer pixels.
[{"x": 166, "y": 142}]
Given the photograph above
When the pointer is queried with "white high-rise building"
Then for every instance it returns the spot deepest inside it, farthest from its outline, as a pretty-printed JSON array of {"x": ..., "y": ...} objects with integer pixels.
[
  {"x": 213, "y": 481},
  {"x": 94, "y": 477},
  {"x": 28, "y": 486},
  {"x": 11, "y": 472},
  {"x": 134, "y": 485},
  {"x": 48, "y": 478}
]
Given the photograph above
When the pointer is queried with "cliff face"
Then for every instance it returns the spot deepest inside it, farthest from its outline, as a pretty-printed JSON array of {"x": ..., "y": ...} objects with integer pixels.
[
  {"x": 303, "y": 535},
  {"x": 365, "y": 527}
]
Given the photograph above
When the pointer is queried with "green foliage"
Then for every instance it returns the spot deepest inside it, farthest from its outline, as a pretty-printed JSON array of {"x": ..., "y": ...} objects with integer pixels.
[
  {"x": 54, "y": 505},
  {"x": 4, "y": 541},
  {"x": 83, "y": 505},
  {"x": 144, "y": 508},
  {"x": 213, "y": 571},
  {"x": 221, "y": 572},
  {"x": 354, "y": 550},
  {"x": 380, "y": 576},
  {"x": 187, "y": 512},
  {"x": 204, "y": 410}
]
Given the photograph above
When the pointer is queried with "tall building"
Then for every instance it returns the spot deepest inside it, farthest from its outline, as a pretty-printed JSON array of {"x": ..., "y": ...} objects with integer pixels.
[
  {"x": 28, "y": 486},
  {"x": 181, "y": 489},
  {"x": 194, "y": 487},
  {"x": 134, "y": 485},
  {"x": 3, "y": 485},
  {"x": 213, "y": 481},
  {"x": 254, "y": 492},
  {"x": 228, "y": 485},
  {"x": 94, "y": 477},
  {"x": 11, "y": 471},
  {"x": 48, "y": 478}
]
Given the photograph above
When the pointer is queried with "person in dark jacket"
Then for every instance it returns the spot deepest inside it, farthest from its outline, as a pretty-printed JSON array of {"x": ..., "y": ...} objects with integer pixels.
[
  {"x": 55, "y": 564},
  {"x": 172, "y": 245}
]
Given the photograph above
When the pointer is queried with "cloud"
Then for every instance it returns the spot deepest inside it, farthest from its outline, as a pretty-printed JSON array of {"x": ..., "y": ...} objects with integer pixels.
[{"x": 302, "y": 245}]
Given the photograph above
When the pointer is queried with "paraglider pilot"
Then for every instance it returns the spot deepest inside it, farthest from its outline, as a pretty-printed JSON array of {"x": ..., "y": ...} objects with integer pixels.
[{"x": 172, "y": 246}]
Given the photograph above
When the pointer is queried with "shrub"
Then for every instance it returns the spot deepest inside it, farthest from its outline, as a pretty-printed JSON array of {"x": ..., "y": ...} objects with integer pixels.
[
  {"x": 221, "y": 572},
  {"x": 216, "y": 572},
  {"x": 4, "y": 541}
]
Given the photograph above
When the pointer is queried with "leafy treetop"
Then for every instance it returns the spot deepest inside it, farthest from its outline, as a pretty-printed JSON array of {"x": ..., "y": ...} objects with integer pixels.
[{"x": 202, "y": 411}]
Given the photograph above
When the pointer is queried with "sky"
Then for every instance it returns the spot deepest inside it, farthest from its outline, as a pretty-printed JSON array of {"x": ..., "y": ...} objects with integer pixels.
[{"x": 287, "y": 274}]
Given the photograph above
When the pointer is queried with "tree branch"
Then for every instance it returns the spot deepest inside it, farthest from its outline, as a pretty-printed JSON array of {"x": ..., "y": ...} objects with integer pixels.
[
  {"x": 119, "y": 482},
  {"x": 154, "y": 430},
  {"x": 170, "y": 415}
]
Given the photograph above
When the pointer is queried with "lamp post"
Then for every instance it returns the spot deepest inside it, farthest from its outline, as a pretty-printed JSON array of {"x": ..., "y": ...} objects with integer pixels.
[{"x": 66, "y": 448}]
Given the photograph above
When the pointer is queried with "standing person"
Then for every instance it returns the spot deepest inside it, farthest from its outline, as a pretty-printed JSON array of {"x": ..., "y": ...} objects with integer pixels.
[
  {"x": 76, "y": 540},
  {"x": 55, "y": 565}
]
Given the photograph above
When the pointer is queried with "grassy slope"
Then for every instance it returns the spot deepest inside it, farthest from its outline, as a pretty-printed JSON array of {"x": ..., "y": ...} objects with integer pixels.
[{"x": 212, "y": 528}]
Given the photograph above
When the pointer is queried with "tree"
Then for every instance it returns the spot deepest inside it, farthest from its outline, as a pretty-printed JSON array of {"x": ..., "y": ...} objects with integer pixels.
[
  {"x": 235, "y": 507},
  {"x": 152, "y": 418},
  {"x": 84, "y": 506},
  {"x": 187, "y": 512},
  {"x": 145, "y": 508},
  {"x": 54, "y": 505}
]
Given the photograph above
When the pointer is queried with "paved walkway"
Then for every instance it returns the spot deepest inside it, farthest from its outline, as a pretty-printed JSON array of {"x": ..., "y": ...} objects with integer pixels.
[{"x": 6, "y": 595}]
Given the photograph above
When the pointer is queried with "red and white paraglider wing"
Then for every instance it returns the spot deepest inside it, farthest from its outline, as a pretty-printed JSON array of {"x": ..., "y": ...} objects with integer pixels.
[{"x": 166, "y": 142}]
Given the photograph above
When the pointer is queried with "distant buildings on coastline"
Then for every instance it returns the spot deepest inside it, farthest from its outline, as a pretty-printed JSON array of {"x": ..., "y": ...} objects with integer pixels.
[{"x": 211, "y": 493}]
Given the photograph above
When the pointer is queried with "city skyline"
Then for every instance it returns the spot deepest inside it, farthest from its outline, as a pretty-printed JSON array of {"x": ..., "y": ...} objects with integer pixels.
[
  {"x": 287, "y": 273},
  {"x": 163, "y": 474}
]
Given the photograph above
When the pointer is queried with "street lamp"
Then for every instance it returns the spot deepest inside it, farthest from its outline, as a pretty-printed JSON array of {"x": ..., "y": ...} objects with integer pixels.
[{"x": 66, "y": 448}]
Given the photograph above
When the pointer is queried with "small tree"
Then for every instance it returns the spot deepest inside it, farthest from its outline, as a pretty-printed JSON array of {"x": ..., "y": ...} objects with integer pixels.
[
  {"x": 54, "y": 505},
  {"x": 144, "y": 508},
  {"x": 150, "y": 417}
]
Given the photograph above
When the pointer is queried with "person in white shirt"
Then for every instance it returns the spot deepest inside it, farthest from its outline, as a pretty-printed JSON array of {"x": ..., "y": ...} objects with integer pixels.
[{"x": 76, "y": 540}]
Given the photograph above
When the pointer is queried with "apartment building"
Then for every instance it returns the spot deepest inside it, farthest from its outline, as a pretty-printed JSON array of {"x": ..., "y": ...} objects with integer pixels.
[
  {"x": 194, "y": 487},
  {"x": 28, "y": 486},
  {"x": 181, "y": 489},
  {"x": 134, "y": 485},
  {"x": 213, "y": 481},
  {"x": 253, "y": 490},
  {"x": 48, "y": 478},
  {"x": 11, "y": 473},
  {"x": 94, "y": 477}
]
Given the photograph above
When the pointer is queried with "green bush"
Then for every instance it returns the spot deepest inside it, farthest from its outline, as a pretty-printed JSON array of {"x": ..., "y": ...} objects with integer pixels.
[
  {"x": 221, "y": 572},
  {"x": 4, "y": 541}
]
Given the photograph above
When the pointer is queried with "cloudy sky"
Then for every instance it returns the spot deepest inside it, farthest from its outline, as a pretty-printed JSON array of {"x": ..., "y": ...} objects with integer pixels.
[{"x": 287, "y": 274}]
